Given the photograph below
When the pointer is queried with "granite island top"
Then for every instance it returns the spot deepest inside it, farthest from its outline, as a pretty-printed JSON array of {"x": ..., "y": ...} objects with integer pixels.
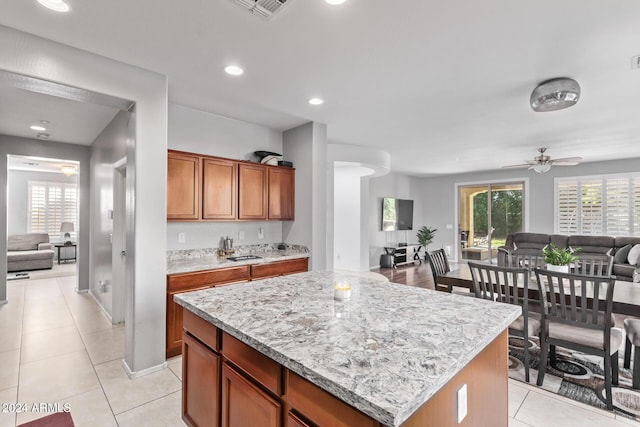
[
  {"x": 211, "y": 260},
  {"x": 385, "y": 351}
]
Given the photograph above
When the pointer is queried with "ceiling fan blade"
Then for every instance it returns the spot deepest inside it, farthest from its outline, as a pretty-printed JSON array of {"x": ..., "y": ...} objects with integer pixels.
[
  {"x": 566, "y": 161},
  {"x": 524, "y": 165}
]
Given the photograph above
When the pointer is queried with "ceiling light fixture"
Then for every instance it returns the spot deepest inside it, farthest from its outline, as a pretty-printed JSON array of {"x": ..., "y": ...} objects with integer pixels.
[
  {"x": 45, "y": 122},
  {"x": 233, "y": 70},
  {"x": 55, "y": 5},
  {"x": 316, "y": 101},
  {"x": 42, "y": 135},
  {"x": 68, "y": 170},
  {"x": 38, "y": 128},
  {"x": 555, "y": 94},
  {"x": 541, "y": 167},
  {"x": 335, "y": 2}
]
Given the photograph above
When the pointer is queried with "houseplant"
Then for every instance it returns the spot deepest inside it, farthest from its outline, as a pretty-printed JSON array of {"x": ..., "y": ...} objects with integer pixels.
[
  {"x": 426, "y": 235},
  {"x": 558, "y": 259}
]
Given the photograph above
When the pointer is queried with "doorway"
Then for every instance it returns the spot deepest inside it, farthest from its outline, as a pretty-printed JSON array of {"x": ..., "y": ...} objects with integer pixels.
[
  {"x": 119, "y": 240},
  {"x": 487, "y": 214}
]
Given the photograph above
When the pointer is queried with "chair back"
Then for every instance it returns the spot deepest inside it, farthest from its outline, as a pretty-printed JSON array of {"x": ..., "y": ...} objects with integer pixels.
[
  {"x": 594, "y": 265},
  {"x": 567, "y": 299},
  {"x": 527, "y": 261},
  {"x": 439, "y": 263},
  {"x": 502, "y": 284}
]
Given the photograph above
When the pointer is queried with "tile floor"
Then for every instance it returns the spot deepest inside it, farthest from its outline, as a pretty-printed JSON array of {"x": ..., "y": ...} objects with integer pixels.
[{"x": 57, "y": 346}]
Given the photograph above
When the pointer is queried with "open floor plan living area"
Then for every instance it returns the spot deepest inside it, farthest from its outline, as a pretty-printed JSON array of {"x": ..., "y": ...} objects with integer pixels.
[{"x": 310, "y": 213}]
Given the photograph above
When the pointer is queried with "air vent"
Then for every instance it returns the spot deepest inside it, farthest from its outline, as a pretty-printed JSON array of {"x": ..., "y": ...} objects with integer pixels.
[{"x": 263, "y": 8}]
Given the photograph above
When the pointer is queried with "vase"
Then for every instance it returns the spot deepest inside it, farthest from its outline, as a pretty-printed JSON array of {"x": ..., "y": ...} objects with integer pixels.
[{"x": 558, "y": 268}]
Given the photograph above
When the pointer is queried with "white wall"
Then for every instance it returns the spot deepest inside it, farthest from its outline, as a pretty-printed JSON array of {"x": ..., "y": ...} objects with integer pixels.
[
  {"x": 205, "y": 133},
  {"x": 109, "y": 147},
  {"x": 26, "y": 54},
  {"x": 18, "y": 208},
  {"x": 437, "y": 195},
  {"x": 346, "y": 219}
]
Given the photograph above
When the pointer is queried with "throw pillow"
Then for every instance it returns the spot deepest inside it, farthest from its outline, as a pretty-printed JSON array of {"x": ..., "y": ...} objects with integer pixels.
[
  {"x": 622, "y": 254},
  {"x": 634, "y": 255}
]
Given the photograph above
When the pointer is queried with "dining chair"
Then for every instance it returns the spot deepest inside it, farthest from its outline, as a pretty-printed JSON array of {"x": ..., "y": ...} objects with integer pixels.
[
  {"x": 571, "y": 322},
  {"x": 593, "y": 265},
  {"x": 528, "y": 261},
  {"x": 439, "y": 266},
  {"x": 509, "y": 285}
]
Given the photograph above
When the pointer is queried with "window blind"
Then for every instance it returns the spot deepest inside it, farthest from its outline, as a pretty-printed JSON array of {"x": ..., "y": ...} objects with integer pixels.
[
  {"x": 598, "y": 205},
  {"x": 51, "y": 204}
]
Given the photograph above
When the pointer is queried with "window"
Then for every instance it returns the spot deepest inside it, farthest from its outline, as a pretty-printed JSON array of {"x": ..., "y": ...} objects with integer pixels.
[
  {"x": 51, "y": 204},
  {"x": 598, "y": 205}
]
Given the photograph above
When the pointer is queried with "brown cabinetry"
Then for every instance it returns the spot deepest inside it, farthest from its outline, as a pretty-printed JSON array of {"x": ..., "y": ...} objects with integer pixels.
[
  {"x": 200, "y": 382},
  {"x": 281, "y": 193},
  {"x": 279, "y": 268},
  {"x": 183, "y": 186},
  {"x": 252, "y": 180},
  {"x": 219, "y": 189}
]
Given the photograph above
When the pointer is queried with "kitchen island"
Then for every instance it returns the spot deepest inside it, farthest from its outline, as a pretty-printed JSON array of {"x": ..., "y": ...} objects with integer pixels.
[{"x": 283, "y": 351}]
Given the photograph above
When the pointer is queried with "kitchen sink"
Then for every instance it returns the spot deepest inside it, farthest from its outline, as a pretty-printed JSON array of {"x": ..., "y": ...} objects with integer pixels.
[{"x": 243, "y": 257}]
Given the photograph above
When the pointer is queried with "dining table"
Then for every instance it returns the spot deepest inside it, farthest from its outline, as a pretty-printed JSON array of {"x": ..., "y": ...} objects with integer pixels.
[{"x": 626, "y": 295}]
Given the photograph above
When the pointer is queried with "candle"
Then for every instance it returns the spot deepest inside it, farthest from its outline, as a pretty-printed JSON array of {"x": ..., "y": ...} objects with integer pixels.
[{"x": 342, "y": 290}]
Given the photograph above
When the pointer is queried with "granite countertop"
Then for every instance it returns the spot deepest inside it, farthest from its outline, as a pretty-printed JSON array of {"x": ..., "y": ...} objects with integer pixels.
[
  {"x": 385, "y": 351},
  {"x": 212, "y": 261}
]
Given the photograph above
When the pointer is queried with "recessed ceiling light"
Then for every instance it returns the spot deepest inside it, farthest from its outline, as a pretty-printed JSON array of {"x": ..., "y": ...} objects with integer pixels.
[
  {"x": 335, "y": 2},
  {"x": 45, "y": 122},
  {"x": 55, "y": 5},
  {"x": 234, "y": 70},
  {"x": 38, "y": 128},
  {"x": 43, "y": 136},
  {"x": 316, "y": 101}
]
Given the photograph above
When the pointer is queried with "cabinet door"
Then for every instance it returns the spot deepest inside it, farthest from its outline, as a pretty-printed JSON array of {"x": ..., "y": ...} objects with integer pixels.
[
  {"x": 200, "y": 384},
  {"x": 245, "y": 404},
  {"x": 183, "y": 186},
  {"x": 253, "y": 191},
  {"x": 281, "y": 193},
  {"x": 219, "y": 188},
  {"x": 174, "y": 325},
  {"x": 294, "y": 421}
]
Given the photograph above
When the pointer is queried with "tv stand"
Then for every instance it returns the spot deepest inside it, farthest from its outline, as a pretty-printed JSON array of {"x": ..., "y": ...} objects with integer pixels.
[{"x": 404, "y": 253}]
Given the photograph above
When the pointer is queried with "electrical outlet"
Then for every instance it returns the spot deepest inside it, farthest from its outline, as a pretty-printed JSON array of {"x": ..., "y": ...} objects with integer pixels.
[
  {"x": 260, "y": 233},
  {"x": 462, "y": 403},
  {"x": 182, "y": 237},
  {"x": 635, "y": 62},
  {"x": 240, "y": 235},
  {"x": 449, "y": 226}
]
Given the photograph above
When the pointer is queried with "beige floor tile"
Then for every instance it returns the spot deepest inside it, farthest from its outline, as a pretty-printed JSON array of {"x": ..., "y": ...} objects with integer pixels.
[
  {"x": 89, "y": 409},
  {"x": 10, "y": 395},
  {"x": 11, "y": 313},
  {"x": 105, "y": 346},
  {"x": 43, "y": 288},
  {"x": 627, "y": 421},
  {"x": 35, "y": 306},
  {"x": 175, "y": 364},
  {"x": 57, "y": 378},
  {"x": 47, "y": 320},
  {"x": 540, "y": 410},
  {"x": 9, "y": 369},
  {"x": 91, "y": 320},
  {"x": 517, "y": 395},
  {"x": 124, "y": 394},
  {"x": 165, "y": 412},
  {"x": 516, "y": 423},
  {"x": 50, "y": 343},
  {"x": 10, "y": 337}
]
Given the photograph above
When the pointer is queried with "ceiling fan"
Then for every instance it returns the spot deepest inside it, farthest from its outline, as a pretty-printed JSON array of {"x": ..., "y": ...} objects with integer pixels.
[{"x": 542, "y": 163}]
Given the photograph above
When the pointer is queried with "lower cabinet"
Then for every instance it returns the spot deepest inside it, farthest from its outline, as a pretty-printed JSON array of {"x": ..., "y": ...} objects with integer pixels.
[
  {"x": 200, "y": 384},
  {"x": 294, "y": 421},
  {"x": 245, "y": 404}
]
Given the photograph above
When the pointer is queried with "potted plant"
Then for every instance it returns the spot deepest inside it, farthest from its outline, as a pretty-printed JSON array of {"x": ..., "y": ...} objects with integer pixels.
[
  {"x": 426, "y": 235},
  {"x": 559, "y": 259}
]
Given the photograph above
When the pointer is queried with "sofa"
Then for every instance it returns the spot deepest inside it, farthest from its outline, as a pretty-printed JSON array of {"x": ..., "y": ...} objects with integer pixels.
[
  {"x": 533, "y": 243},
  {"x": 30, "y": 251}
]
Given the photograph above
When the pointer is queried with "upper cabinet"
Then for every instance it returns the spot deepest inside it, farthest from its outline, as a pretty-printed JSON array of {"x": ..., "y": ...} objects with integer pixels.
[
  {"x": 281, "y": 193},
  {"x": 213, "y": 188},
  {"x": 183, "y": 186},
  {"x": 253, "y": 191},
  {"x": 219, "y": 189}
]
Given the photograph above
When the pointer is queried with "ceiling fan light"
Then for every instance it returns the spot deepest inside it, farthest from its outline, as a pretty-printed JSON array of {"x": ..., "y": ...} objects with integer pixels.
[
  {"x": 542, "y": 167},
  {"x": 555, "y": 94}
]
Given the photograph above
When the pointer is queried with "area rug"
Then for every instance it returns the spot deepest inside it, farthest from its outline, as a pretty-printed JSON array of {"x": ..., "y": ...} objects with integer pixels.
[
  {"x": 17, "y": 276},
  {"x": 577, "y": 376},
  {"x": 59, "y": 419}
]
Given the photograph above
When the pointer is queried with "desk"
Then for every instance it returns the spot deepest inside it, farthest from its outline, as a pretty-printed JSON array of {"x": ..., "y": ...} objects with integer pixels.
[
  {"x": 626, "y": 295},
  {"x": 75, "y": 252}
]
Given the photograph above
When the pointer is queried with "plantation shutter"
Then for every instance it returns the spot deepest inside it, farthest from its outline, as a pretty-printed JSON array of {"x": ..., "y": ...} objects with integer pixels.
[
  {"x": 591, "y": 200},
  {"x": 567, "y": 207},
  {"x": 636, "y": 207},
  {"x": 51, "y": 204},
  {"x": 37, "y": 209},
  {"x": 618, "y": 207}
]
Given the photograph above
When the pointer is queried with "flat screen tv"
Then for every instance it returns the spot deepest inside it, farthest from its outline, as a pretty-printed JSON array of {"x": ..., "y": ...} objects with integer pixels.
[{"x": 397, "y": 214}]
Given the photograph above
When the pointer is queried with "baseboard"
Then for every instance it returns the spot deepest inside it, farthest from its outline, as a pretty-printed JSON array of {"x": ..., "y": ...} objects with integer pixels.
[
  {"x": 99, "y": 304},
  {"x": 4, "y": 301},
  {"x": 374, "y": 267},
  {"x": 133, "y": 375}
]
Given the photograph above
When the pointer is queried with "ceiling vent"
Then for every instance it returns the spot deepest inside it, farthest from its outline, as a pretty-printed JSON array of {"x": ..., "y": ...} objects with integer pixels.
[{"x": 263, "y": 8}]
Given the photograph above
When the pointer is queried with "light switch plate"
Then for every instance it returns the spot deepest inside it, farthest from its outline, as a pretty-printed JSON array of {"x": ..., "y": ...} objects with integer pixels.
[
  {"x": 449, "y": 226},
  {"x": 182, "y": 237},
  {"x": 462, "y": 403},
  {"x": 240, "y": 235}
]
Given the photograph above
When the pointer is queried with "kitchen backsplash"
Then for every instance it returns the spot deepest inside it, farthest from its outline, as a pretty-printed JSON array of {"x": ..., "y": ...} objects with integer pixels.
[{"x": 239, "y": 250}]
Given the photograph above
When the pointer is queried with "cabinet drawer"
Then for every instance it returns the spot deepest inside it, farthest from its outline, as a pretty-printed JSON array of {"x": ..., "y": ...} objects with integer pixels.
[
  {"x": 321, "y": 407},
  {"x": 264, "y": 370},
  {"x": 189, "y": 281},
  {"x": 279, "y": 268},
  {"x": 201, "y": 329}
]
